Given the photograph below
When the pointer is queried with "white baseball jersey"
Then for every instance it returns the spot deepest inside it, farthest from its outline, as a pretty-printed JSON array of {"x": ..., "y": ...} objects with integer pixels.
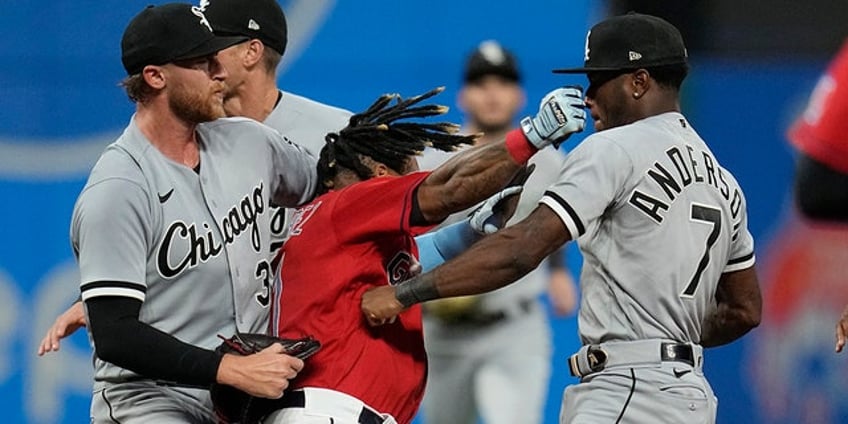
[
  {"x": 658, "y": 221},
  {"x": 192, "y": 246},
  {"x": 307, "y": 122}
]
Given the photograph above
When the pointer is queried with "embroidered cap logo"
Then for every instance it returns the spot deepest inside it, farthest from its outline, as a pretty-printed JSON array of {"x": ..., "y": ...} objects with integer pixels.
[{"x": 198, "y": 11}]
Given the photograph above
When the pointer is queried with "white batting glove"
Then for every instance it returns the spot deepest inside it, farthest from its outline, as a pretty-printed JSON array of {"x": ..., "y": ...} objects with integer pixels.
[
  {"x": 487, "y": 219},
  {"x": 561, "y": 113}
]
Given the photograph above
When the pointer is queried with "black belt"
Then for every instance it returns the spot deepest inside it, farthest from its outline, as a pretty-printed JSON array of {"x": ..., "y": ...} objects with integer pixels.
[
  {"x": 297, "y": 399},
  {"x": 597, "y": 359}
]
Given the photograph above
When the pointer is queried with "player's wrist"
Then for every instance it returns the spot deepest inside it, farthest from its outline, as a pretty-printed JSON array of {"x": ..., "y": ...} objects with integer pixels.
[
  {"x": 416, "y": 290},
  {"x": 520, "y": 148}
]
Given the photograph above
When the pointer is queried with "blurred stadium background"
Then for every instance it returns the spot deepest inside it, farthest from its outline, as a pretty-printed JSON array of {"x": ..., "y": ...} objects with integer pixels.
[{"x": 754, "y": 64}]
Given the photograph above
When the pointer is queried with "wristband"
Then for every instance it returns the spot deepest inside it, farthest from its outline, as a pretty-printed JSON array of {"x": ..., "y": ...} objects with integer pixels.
[
  {"x": 519, "y": 147},
  {"x": 416, "y": 290}
]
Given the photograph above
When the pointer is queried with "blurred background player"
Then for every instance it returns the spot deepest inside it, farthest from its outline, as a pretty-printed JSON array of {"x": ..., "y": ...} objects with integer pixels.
[
  {"x": 821, "y": 174},
  {"x": 490, "y": 354}
]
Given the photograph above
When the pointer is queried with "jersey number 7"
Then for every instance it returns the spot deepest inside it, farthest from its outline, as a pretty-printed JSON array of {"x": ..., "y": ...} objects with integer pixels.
[{"x": 709, "y": 215}]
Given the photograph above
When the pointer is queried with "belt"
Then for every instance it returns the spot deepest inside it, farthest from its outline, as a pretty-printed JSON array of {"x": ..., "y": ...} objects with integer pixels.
[
  {"x": 297, "y": 399},
  {"x": 595, "y": 358},
  {"x": 487, "y": 318}
]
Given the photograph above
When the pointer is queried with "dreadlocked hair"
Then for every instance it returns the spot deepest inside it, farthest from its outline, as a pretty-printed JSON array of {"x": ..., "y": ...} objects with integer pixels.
[{"x": 383, "y": 134}]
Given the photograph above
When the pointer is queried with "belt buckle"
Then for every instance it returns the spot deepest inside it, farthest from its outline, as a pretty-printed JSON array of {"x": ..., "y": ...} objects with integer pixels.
[{"x": 596, "y": 357}]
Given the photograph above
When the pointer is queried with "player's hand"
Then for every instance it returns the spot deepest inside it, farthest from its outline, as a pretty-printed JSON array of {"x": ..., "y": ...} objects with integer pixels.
[
  {"x": 380, "y": 306},
  {"x": 494, "y": 213},
  {"x": 264, "y": 374},
  {"x": 66, "y": 324},
  {"x": 561, "y": 113},
  {"x": 842, "y": 330}
]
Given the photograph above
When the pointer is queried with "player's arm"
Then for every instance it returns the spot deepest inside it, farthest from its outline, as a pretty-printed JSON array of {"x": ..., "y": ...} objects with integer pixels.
[
  {"x": 65, "y": 324},
  {"x": 506, "y": 256},
  {"x": 820, "y": 190},
  {"x": 478, "y": 172},
  {"x": 738, "y": 308}
]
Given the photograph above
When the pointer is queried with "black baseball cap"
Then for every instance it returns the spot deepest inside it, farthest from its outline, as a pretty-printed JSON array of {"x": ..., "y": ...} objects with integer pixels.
[
  {"x": 167, "y": 33},
  {"x": 490, "y": 58},
  {"x": 262, "y": 19},
  {"x": 631, "y": 41}
]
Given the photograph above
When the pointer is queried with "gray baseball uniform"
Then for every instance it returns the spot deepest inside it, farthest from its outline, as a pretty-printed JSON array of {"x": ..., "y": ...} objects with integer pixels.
[
  {"x": 187, "y": 244},
  {"x": 658, "y": 221},
  {"x": 498, "y": 369}
]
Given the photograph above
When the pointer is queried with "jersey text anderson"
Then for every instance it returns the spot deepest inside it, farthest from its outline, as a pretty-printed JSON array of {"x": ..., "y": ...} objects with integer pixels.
[{"x": 687, "y": 170}]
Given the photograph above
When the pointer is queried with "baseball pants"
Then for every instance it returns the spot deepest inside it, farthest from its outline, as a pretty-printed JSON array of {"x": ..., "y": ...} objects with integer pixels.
[
  {"x": 142, "y": 402},
  {"x": 324, "y": 406},
  {"x": 642, "y": 391}
]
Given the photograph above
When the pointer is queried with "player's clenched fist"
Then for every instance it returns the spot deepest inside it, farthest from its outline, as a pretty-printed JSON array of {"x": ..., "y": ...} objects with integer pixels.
[
  {"x": 561, "y": 113},
  {"x": 380, "y": 306},
  {"x": 264, "y": 374},
  {"x": 842, "y": 330}
]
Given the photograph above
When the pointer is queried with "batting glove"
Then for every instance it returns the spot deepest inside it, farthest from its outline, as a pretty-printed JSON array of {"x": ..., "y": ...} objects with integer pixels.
[
  {"x": 561, "y": 113},
  {"x": 487, "y": 219}
]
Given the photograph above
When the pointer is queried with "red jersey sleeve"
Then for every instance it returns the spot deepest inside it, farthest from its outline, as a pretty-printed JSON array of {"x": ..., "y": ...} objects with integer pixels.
[
  {"x": 822, "y": 131},
  {"x": 379, "y": 205}
]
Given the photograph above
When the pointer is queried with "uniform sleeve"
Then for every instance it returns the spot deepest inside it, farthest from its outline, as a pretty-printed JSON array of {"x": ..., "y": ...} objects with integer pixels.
[
  {"x": 295, "y": 172},
  {"x": 741, "y": 242},
  {"x": 378, "y": 206},
  {"x": 592, "y": 179},
  {"x": 110, "y": 230}
]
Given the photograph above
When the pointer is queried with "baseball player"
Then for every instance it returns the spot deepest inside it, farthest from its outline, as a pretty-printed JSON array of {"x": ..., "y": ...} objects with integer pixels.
[
  {"x": 668, "y": 259},
  {"x": 474, "y": 344},
  {"x": 171, "y": 225},
  {"x": 251, "y": 91},
  {"x": 359, "y": 234},
  {"x": 819, "y": 135}
]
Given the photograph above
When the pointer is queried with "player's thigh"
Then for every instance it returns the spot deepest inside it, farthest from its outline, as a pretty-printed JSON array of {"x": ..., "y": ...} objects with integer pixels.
[
  {"x": 448, "y": 397},
  {"x": 137, "y": 403},
  {"x": 597, "y": 399},
  {"x": 511, "y": 386},
  {"x": 639, "y": 395}
]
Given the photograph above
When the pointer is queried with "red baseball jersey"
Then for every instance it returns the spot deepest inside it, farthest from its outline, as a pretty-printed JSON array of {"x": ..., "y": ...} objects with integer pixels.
[
  {"x": 340, "y": 245},
  {"x": 822, "y": 131}
]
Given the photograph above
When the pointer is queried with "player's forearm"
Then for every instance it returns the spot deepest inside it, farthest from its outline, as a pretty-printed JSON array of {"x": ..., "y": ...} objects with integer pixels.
[
  {"x": 471, "y": 176},
  {"x": 497, "y": 254},
  {"x": 726, "y": 324},
  {"x": 120, "y": 338}
]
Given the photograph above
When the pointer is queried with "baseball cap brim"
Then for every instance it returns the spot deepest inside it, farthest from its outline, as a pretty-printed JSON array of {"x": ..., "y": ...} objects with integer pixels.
[{"x": 211, "y": 46}]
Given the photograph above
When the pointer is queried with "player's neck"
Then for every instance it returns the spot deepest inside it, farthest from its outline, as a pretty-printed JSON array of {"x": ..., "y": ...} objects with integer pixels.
[
  {"x": 174, "y": 137},
  {"x": 255, "y": 99}
]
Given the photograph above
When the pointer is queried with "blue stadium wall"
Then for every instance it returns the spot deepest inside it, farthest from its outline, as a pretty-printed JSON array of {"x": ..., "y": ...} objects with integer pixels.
[{"x": 60, "y": 105}]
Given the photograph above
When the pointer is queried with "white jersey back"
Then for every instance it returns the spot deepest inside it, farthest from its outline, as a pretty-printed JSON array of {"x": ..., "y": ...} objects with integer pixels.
[
  {"x": 658, "y": 221},
  {"x": 192, "y": 246}
]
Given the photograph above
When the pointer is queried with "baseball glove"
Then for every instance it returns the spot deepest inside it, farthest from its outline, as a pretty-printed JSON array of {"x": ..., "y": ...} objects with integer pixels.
[{"x": 235, "y": 406}]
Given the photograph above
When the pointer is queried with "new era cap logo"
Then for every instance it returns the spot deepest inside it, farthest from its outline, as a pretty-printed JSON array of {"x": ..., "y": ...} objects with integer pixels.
[
  {"x": 251, "y": 24},
  {"x": 634, "y": 55}
]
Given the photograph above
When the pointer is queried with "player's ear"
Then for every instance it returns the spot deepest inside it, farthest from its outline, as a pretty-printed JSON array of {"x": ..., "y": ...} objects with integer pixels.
[
  {"x": 461, "y": 99},
  {"x": 154, "y": 76},
  {"x": 641, "y": 82},
  {"x": 253, "y": 52}
]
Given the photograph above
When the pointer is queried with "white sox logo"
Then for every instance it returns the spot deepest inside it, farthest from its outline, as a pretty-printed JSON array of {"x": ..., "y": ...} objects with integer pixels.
[
  {"x": 198, "y": 11},
  {"x": 402, "y": 267},
  {"x": 202, "y": 244}
]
